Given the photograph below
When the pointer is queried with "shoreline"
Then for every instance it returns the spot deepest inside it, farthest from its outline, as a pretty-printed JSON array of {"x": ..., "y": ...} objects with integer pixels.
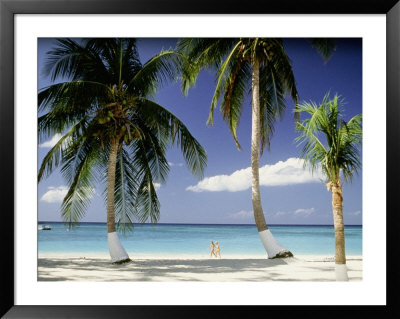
[
  {"x": 192, "y": 267},
  {"x": 133, "y": 255}
]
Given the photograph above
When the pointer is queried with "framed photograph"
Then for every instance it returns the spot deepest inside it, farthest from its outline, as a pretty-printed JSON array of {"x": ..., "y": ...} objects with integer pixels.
[{"x": 43, "y": 44}]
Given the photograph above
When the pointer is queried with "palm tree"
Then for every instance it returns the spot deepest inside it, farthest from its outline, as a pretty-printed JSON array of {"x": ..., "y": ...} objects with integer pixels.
[
  {"x": 111, "y": 130},
  {"x": 241, "y": 63},
  {"x": 337, "y": 157}
]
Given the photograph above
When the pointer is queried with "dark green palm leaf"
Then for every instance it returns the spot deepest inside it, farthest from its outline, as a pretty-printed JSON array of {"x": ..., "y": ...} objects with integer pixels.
[
  {"x": 72, "y": 97},
  {"x": 158, "y": 71},
  {"x": 339, "y": 155},
  {"x": 126, "y": 187},
  {"x": 56, "y": 155},
  {"x": 150, "y": 154},
  {"x": 147, "y": 204},
  {"x": 324, "y": 46},
  {"x": 79, "y": 167},
  {"x": 72, "y": 60},
  {"x": 159, "y": 118}
]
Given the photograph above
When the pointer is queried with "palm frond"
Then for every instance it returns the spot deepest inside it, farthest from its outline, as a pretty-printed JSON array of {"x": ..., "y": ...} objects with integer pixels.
[
  {"x": 202, "y": 53},
  {"x": 283, "y": 72},
  {"x": 74, "y": 97},
  {"x": 160, "y": 70},
  {"x": 56, "y": 154},
  {"x": 147, "y": 205},
  {"x": 207, "y": 52},
  {"x": 169, "y": 126},
  {"x": 225, "y": 73},
  {"x": 74, "y": 61},
  {"x": 126, "y": 187},
  {"x": 150, "y": 154},
  {"x": 324, "y": 46},
  {"x": 272, "y": 103},
  {"x": 80, "y": 162},
  {"x": 235, "y": 88}
]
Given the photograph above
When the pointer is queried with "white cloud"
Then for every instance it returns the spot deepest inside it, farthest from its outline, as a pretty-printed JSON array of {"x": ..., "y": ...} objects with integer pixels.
[
  {"x": 243, "y": 214},
  {"x": 57, "y": 194},
  {"x": 53, "y": 141},
  {"x": 157, "y": 186},
  {"x": 175, "y": 164},
  {"x": 301, "y": 212},
  {"x": 237, "y": 181},
  {"x": 278, "y": 217},
  {"x": 280, "y": 213},
  {"x": 304, "y": 211},
  {"x": 281, "y": 173}
]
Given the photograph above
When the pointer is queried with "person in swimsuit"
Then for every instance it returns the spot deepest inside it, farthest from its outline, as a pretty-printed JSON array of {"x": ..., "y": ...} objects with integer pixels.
[
  {"x": 212, "y": 247},
  {"x": 218, "y": 250}
]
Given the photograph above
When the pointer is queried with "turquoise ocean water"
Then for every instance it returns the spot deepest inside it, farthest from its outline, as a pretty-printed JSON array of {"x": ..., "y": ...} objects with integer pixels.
[{"x": 195, "y": 239}]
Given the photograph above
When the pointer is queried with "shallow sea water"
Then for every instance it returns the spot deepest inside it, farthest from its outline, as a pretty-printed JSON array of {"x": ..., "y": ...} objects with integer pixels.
[{"x": 195, "y": 239}]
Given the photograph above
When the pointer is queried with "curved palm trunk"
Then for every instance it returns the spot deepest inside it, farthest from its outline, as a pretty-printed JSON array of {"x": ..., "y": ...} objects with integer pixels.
[
  {"x": 117, "y": 252},
  {"x": 340, "y": 255},
  {"x": 273, "y": 248}
]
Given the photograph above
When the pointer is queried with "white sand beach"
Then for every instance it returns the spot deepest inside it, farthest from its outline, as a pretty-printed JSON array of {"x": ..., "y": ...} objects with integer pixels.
[{"x": 193, "y": 268}]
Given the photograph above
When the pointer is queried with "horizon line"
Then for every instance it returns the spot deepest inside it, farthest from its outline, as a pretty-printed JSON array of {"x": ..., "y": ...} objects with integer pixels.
[{"x": 211, "y": 224}]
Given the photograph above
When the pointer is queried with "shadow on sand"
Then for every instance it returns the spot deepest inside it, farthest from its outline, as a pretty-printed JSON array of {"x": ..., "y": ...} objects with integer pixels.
[{"x": 93, "y": 269}]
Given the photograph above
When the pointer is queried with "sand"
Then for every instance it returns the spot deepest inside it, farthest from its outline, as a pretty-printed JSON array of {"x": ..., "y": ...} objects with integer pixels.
[{"x": 193, "y": 268}]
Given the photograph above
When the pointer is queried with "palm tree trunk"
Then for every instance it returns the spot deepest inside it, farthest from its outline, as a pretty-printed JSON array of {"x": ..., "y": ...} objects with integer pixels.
[
  {"x": 340, "y": 255},
  {"x": 117, "y": 252},
  {"x": 255, "y": 150},
  {"x": 273, "y": 248}
]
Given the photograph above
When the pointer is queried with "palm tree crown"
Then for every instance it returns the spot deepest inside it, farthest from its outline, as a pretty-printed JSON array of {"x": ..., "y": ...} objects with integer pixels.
[
  {"x": 233, "y": 58},
  {"x": 102, "y": 108},
  {"x": 338, "y": 154}
]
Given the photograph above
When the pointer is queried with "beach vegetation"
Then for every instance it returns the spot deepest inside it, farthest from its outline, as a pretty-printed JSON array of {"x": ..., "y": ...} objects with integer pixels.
[
  {"x": 113, "y": 132},
  {"x": 332, "y": 146},
  {"x": 261, "y": 68}
]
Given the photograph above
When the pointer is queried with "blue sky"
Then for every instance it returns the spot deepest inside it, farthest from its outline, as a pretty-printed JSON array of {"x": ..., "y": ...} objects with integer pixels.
[{"x": 290, "y": 195}]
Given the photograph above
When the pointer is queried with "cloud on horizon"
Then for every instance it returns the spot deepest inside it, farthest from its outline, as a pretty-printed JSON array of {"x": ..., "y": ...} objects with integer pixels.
[
  {"x": 243, "y": 214},
  {"x": 282, "y": 173},
  {"x": 304, "y": 211},
  {"x": 56, "y": 194},
  {"x": 292, "y": 216}
]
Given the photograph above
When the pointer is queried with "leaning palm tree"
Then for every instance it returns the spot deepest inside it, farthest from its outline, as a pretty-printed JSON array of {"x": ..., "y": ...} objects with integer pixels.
[
  {"x": 111, "y": 130},
  {"x": 261, "y": 67},
  {"x": 337, "y": 157}
]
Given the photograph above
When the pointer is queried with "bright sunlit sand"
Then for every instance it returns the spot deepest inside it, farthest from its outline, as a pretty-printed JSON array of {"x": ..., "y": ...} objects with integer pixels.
[{"x": 98, "y": 267}]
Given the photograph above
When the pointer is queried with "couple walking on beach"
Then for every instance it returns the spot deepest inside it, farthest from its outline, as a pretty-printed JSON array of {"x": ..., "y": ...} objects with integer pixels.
[{"x": 215, "y": 250}]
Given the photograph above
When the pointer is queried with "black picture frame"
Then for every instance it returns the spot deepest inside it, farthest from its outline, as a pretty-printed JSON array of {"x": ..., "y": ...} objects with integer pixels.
[{"x": 8, "y": 10}]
